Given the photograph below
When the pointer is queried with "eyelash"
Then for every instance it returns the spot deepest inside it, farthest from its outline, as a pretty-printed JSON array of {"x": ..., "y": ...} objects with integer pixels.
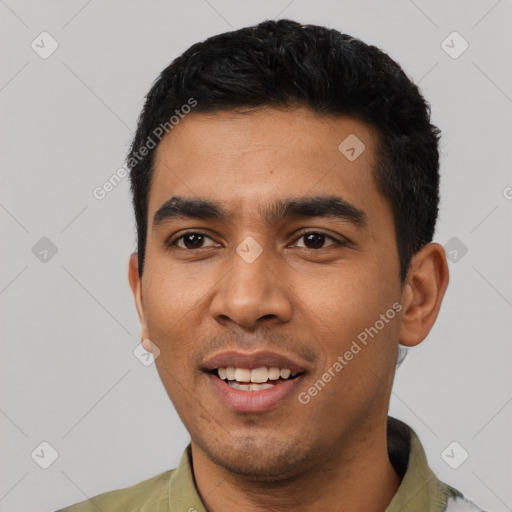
[{"x": 171, "y": 244}]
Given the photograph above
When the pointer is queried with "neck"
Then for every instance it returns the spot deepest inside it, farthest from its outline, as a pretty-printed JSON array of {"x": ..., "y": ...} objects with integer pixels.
[{"x": 358, "y": 477}]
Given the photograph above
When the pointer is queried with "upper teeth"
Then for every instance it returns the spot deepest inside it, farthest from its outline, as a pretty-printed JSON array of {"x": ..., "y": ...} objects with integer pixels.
[{"x": 257, "y": 375}]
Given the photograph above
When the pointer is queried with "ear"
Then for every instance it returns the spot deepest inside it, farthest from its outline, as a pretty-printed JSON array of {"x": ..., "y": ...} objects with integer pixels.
[
  {"x": 424, "y": 289},
  {"x": 136, "y": 286}
]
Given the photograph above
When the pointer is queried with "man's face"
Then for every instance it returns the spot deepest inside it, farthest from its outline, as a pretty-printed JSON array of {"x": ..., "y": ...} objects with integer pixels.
[{"x": 301, "y": 284}]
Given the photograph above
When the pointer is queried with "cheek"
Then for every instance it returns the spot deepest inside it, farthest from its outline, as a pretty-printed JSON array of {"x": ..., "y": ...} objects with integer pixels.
[
  {"x": 359, "y": 351},
  {"x": 347, "y": 300},
  {"x": 167, "y": 308},
  {"x": 171, "y": 291},
  {"x": 356, "y": 318}
]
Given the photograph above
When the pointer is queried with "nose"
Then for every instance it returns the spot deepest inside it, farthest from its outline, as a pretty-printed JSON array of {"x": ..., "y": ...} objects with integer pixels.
[{"x": 252, "y": 293}]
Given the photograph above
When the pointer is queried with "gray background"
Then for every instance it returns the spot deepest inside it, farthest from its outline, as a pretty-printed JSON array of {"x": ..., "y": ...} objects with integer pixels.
[{"x": 68, "y": 373}]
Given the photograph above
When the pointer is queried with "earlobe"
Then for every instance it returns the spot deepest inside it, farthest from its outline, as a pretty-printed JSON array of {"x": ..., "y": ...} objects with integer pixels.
[
  {"x": 136, "y": 286},
  {"x": 423, "y": 293}
]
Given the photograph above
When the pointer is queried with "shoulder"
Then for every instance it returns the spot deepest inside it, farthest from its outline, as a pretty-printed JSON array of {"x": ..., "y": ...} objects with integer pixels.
[
  {"x": 148, "y": 495},
  {"x": 461, "y": 504}
]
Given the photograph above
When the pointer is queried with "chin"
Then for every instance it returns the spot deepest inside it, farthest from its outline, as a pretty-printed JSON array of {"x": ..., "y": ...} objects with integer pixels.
[{"x": 258, "y": 458}]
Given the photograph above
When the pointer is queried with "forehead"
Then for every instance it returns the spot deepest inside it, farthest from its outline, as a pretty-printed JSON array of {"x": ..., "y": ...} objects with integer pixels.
[{"x": 243, "y": 158}]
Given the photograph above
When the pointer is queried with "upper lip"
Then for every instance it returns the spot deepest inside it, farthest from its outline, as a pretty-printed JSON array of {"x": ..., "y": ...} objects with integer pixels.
[{"x": 252, "y": 360}]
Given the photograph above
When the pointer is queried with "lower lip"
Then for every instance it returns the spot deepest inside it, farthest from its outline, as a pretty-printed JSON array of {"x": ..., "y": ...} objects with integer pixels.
[{"x": 254, "y": 401}]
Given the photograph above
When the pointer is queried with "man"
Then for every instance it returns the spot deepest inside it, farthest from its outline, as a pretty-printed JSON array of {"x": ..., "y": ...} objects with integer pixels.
[{"x": 285, "y": 183}]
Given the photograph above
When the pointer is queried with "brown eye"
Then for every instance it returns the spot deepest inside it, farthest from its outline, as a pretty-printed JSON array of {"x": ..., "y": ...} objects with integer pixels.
[
  {"x": 191, "y": 241},
  {"x": 316, "y": 240}
]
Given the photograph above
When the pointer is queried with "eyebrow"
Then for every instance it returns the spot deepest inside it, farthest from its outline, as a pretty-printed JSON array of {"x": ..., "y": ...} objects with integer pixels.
[{"x": 319, "y": 206}]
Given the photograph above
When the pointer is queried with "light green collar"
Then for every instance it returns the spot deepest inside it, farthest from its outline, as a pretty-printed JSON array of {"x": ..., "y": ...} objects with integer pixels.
[{"x": 420, "y": 489}]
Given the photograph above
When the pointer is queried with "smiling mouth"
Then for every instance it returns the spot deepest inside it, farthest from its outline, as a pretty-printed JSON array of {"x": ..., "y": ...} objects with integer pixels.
[{"x": 256, "y": 379}]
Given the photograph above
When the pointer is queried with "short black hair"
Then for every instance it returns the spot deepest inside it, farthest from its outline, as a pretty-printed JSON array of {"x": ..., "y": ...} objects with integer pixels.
[{"x": 284, "y": 63}]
